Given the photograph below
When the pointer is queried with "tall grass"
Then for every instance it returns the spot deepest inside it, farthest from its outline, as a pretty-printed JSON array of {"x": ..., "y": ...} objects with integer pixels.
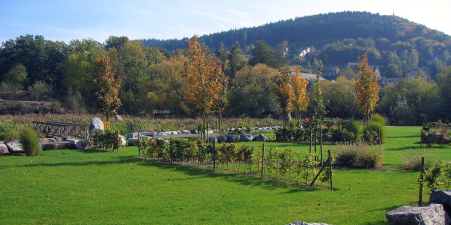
[
  {"x": 358, "y": 154},
  {"x": 412, "y": 159},
  {"x": 30, "y": 142}
]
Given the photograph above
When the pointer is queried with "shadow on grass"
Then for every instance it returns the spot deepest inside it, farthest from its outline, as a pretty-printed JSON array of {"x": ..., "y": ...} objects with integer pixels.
[
  {"x": 422, "y": 147},
  {"x": 194, "y": 172},
  {"x": 242, "y": 179}
]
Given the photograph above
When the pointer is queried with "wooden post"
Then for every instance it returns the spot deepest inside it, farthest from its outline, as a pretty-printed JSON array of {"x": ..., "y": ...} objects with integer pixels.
[
  {"x": 139, "y": 146},
  {"x": 420, "y": 198},
  {"x": 321, "y": 142},
  {"x": 330, "y": 170},
  {"x": 263, "y": 158},
  {"x": 214, "y": 155},
  {"x": 311, "y": 137}
]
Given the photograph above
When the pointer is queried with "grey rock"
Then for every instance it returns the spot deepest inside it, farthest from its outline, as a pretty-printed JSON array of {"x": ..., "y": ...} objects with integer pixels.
[
  {"x": 430, "y": 215},
  {"x": 130, "y": 135},
  {"x": 222, "y": 139},
  {"x": 212, "y": 139},
  {"x": 186, "y": 132},
  {"x": 133, "y": 142},
  {"x": 232, "y": 138},
  {"x": 96, "y": 124},
  {"x": 14, "y": 147},
  {"x": 79, "y": 143},
  {"x": 246, "y": 137},
  {"x": 3, "y": 149},
  {"x": 123, "y": 141},
  {"x": 147, "y": 133},
  {"x": 118, "y": 118},
  {"x": 194, "y": 131},
  {"x": 441, "y": 197},
  {"x": 261, "y": 137}
]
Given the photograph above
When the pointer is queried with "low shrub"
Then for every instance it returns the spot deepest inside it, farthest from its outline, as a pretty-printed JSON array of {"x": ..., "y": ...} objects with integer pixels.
[
  {"x": 352, "y": 126},
  {"x": 6, "y": 130},
  {"x": 374, "y": 133},
  {"x": 412, "y": 159},
  {"x": 358, "y": 154},
  {"x": 30, "y": 142}
]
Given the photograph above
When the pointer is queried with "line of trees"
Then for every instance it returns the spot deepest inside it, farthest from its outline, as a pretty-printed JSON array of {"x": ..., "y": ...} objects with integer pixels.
[{"x": 154, "y": 79}]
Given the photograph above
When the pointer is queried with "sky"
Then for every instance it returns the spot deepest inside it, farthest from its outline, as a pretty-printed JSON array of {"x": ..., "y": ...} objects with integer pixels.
[{"x": 65, "y": 20}]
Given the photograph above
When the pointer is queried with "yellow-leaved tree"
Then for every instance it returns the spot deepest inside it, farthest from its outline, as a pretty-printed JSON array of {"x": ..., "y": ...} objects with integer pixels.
[
  {"x": 366, "y": 88},
  {"x": 283, "y": 89},
  {"x": 106, "y": 85},
  {"x": 205, "y": 78},
  {"x": 299, "y": 84}
]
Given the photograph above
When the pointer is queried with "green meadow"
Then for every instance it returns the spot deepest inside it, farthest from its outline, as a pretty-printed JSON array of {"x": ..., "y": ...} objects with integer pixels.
[{"x": 99, "y": 187}]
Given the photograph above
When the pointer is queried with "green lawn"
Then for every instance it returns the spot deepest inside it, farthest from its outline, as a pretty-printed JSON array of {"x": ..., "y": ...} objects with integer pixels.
[{"x": 95, "y": 187}]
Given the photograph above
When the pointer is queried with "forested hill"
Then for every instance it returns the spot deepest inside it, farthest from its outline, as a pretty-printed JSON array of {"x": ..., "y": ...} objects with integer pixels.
[{"x": 316, "y": 30}]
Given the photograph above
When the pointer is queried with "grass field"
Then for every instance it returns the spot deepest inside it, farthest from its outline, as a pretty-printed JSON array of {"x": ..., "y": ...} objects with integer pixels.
[{"x": 96, "y": 187}]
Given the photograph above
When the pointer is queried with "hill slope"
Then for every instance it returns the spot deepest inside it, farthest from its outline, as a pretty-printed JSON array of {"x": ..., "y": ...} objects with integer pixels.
[{"x": 316, "y": 30}]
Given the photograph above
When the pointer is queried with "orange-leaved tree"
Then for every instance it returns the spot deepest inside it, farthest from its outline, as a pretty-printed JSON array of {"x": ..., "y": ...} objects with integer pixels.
[
  {"x": 299, "y": 84},
  {"x": 106, "y": 85},
  {"x": 283, "y": 89},
  {"x": 205, "y": 78},
  {"x": 366, "y": 88}
]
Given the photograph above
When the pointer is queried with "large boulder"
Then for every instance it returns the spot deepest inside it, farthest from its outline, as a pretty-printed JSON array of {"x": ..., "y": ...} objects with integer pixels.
[
  {"x": 96, "y": 124},
  {"x": 441, "y": 197},
  {"x": 232, "y": 138},
  {"x": 246, "y": 137},
  {"x": 186, "y": 132},
  {"x": 123, "y": 142},
  {"x": 57, "y": 145},
  {"x": 3, "y": 149},
  {"x": 133, "y": 142},
  {"x": 222, "y": 139},
  {"x": 118, "y": 118},
  {"x": 432, "y": 214},
  {"x": 79, "y": 143},
  {"x": 14, "y": 147},
  {"x": 261, "y": 137},
  {"x": 131, "y": 135},
  {"x": 212, "y": 139},
  {"x": 194, "y": 131}
]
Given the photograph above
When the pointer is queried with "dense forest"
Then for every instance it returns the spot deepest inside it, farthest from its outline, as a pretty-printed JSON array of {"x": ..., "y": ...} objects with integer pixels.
[{"x": 151, "y": 70}]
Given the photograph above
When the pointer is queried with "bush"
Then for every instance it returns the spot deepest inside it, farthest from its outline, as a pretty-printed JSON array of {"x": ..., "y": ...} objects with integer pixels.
[
  {"x": 358, "y": 154},
  {"x": 30, "y": 142},
  {"x": 352, "y": 126},
  {"x": 412, "y": 159},
  {"x": 378, "y": 119},
  {"x": 371, "y": 132},
  {"x": 5, "y": 131}
]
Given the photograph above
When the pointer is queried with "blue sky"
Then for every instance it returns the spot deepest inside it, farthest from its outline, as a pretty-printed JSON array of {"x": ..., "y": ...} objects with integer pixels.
[{"x": 60, "y": 20}]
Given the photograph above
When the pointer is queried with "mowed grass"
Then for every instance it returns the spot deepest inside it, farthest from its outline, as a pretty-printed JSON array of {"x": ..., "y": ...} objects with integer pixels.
[{"x": 96, "y": 187}]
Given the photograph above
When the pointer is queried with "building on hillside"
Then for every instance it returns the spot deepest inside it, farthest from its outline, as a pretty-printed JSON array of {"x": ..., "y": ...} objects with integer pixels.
[
  {"x": 304, "y": 51},
  {"x": 331, "y": 72},
  {"x": 384, "y": 81}
]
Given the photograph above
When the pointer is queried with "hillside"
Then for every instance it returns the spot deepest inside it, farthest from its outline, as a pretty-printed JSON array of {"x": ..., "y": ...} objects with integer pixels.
[{"x": 317, "y": 30}]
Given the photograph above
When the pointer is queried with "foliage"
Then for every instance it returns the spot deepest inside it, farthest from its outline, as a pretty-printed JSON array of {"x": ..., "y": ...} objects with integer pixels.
[
  {"x": 106, "y": 86},
  {"x": 366, "y": 88},
  {"x": 374, "y": 133},
  {"x": 205, "y": 78},
  {"x": 6, "y": 129},
  {"x": 283, "y": 89},
  {"x": 299, "y": 85},
  {"x": 358, "y": 154},
  {"x": 106, "y": 139},
  {"x": 30, "y": 142},
  {"x": 431, "y": 176},
  {"x": 40, "y": 90}
]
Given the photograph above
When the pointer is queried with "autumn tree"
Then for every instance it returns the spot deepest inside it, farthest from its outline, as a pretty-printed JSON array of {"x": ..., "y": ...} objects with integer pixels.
[
  {"x": 299, "y": 84},
  {"x": 283, "y": 89},
  {"x": 205, "y": 78},
  {"x": 366, "y": 88},
  {"x": 106, "y": 85}
]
